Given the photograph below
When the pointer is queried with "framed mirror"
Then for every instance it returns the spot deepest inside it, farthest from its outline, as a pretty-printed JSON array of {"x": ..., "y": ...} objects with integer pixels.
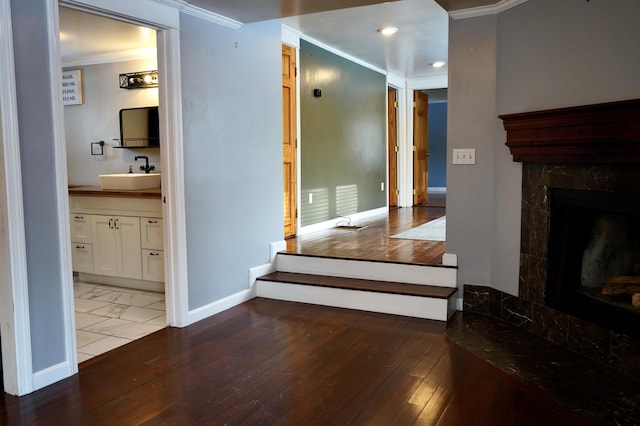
[{"x": 139, "y": 127}]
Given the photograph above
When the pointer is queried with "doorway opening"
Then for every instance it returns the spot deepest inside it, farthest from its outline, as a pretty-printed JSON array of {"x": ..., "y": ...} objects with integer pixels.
[{"x": 115, "y": 302}]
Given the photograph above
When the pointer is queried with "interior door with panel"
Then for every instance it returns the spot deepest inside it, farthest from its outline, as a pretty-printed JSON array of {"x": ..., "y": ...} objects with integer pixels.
[
  {"x": 420, "y": 146},
  {"x": 392, "y": 111},
  {"x": 289, "y": 138}
]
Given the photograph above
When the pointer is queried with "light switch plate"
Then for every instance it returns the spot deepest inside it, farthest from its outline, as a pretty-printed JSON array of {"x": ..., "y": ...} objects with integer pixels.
[{"x": 464, "y": 156}]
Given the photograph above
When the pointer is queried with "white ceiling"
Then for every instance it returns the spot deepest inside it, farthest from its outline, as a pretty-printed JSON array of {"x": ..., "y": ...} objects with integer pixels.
[
  {"x": 421, "y": 39},
  {"x": 90, "y": 39}
]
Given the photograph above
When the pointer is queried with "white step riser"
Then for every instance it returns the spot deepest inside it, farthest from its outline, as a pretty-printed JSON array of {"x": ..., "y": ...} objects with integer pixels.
[
  {"x": 380, "y": 271},
  {"x": 396, "y": 304}
]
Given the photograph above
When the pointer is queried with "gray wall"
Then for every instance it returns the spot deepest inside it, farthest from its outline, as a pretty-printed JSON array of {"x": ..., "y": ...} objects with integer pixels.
[
  {"x": 343, "y": 141},
  {"x": 549, "y": 54},
  {"x": 232, "y": 117},
  {"x": 97, "y": 119},
  {"x": 471, "y": 124},
  {"x": 39, "y": 182}
]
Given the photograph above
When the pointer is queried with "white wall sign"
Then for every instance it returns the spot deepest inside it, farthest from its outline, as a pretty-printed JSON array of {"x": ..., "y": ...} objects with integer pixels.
[{"x": 72, "y": 87}]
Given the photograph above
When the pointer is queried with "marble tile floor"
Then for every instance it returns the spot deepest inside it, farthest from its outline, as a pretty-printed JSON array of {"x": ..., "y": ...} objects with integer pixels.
[
  {"x": 108, "y": 317},
  {"x": 601, "y": 394}
]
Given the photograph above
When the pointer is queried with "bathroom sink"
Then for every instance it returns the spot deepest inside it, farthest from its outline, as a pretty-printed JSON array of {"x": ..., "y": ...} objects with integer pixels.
[{"x": 130, "y": 181}]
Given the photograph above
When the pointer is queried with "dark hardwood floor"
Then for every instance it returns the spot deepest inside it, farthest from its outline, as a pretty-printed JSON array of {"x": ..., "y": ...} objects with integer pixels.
[
  {"x": 273, "y": 362},
  {"x": 373, "y": 240}
]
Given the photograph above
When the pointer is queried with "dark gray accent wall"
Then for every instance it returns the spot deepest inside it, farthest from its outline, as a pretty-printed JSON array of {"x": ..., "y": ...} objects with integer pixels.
[
  {"x": 438, "y": 144},
  {"x": 38, "y": 182},
  {"x": 343, "y": 141},
  {"x": 232, "y": 120}
]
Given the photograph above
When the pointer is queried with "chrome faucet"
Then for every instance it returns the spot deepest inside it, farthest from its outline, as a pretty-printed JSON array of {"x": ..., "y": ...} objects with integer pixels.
[{"x": 147, "y": 168}]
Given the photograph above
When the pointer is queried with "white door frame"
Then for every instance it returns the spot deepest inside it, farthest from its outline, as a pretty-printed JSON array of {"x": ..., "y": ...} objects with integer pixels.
[
  {"x": 165, "y": 20},
  {"x": 19, "y": 377}
]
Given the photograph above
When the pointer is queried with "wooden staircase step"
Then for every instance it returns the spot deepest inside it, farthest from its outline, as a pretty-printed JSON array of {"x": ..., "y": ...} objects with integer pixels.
[{"x": 361, "y": 284}]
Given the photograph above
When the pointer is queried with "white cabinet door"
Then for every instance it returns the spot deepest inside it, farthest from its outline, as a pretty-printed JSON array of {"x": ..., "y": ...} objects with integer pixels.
[
  {"x": 129, "y": 257},
  {"x": 151, "y": 233},
  {"x": 80, "y": 228},
  {"x": 82, "y": 257},
  {"x": 153, "y": 265},
  {"x": 116, "y": 246},
  {"x": 104, "y": 250}
]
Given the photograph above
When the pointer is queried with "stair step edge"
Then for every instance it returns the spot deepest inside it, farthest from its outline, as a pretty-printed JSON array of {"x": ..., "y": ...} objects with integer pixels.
[{"x": 361, "y": 284}]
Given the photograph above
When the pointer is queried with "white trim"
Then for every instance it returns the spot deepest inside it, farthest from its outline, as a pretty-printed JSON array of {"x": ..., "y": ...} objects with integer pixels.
[
  {"x": 171, "y": 144},
  {"x": 259, "y": 271},
  {"x": 291, "y": 37},
  {"x": 355, "y": 219},
  {"x": 493, "y": 9},
  {"x": 437, "y": 190},
  {"x": 395, "y": 304},
  {"x": 219, "y": 306},
  {"x": 406, "y": 154},
  {"x": 342, "y": 54},
  {"x": 14, "y": 298},
  {"x": 450, "y": 259},
  {"x": 204, "y": 14},
  {"x": 62, "y": 194},
  {"x": 52, "y": 374},
  {"x": 433, "y": 82},
  {"x": 276, "y": 247},
  {"x": 369, "y": 270},
  {"x": 145, "y": 12},
  {"x": 396, "y": 81}
]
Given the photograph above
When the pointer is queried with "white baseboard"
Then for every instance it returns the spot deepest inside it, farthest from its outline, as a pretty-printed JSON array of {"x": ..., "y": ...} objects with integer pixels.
[
  {"x": 437, "y": 190},
  {"x": 219, "y": 306},
  {"x": 52, "y": 374},
  {"x": 355, "y": 220},
  {"x": 259, "y": 271},
  {"x": 274, "y": 248}
]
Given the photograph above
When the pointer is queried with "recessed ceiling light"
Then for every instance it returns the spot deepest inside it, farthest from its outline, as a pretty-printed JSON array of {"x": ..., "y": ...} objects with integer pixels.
[
  {"x": 438, "y": 64},
  {"x": 387, "y": 31}
]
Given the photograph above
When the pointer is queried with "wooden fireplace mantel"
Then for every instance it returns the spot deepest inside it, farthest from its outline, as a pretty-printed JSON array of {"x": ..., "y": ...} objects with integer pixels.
[{"x": 592, "y": 134}]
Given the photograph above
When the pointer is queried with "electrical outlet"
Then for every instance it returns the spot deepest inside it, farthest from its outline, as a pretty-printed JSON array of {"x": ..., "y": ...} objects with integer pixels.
[{"x": 464, "y": 156}]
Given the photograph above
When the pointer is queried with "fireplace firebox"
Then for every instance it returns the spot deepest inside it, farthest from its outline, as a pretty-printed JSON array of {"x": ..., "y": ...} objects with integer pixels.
[{"x": 593, "y": 253}]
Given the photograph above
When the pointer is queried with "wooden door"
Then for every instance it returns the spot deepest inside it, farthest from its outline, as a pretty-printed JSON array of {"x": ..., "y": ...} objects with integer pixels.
[
  {"x": 289, "y": 138},
  {"x": 392, "y": 111},
  {"x": 420, "y": 146}
]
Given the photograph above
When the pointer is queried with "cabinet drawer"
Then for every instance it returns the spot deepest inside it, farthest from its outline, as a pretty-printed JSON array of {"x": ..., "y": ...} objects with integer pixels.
[
  {"x": 80, "y": 228},
  {"x": 82, "y": 257},
  {"x": 153, "y": 265},
  {"x": 151, "y": 233}
]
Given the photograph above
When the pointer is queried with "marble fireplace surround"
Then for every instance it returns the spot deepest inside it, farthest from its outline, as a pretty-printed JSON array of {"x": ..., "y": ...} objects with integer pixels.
[{"x": 593, "y": 147}]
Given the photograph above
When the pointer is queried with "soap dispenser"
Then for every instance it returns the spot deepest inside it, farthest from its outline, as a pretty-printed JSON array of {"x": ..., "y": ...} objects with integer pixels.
[{"x": 130, "y": 169}]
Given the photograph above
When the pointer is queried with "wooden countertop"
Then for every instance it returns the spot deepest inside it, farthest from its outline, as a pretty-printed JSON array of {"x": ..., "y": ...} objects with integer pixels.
[{"x": 96, "y": 191}]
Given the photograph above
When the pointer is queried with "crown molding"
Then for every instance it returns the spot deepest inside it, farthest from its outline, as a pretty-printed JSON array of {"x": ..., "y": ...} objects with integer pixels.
[
  {"x": 198, "y": 12},
  {"x": 494, "y": 9}
]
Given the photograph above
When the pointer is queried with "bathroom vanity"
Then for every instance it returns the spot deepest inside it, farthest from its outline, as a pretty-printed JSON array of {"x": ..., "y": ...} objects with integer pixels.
[{"x": 116, "y": 236}]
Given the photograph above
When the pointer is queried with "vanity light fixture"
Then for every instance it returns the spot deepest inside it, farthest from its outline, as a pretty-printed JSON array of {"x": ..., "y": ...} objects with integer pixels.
[
  {"x": 387, "y": 31},
  {"x": 139, "y": 80}
]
